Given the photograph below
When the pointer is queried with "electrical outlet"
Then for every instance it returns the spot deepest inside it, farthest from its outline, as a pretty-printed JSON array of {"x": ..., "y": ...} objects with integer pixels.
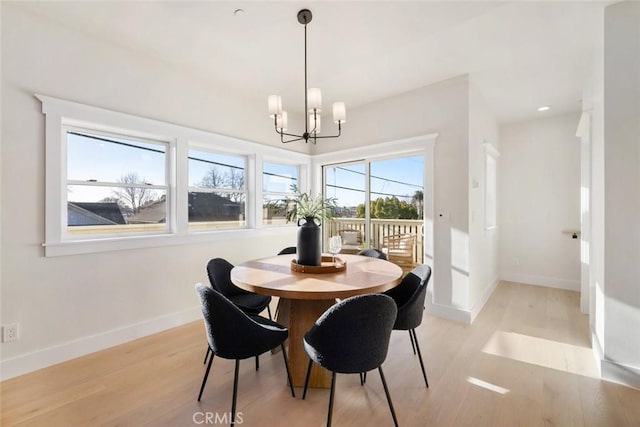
[{"x": 10, "y": 332}]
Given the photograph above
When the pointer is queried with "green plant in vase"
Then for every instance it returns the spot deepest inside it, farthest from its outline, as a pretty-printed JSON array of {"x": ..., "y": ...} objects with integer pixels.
[
  {"x": 313, "y": 210},
  {"x": 303, "y": 205}
]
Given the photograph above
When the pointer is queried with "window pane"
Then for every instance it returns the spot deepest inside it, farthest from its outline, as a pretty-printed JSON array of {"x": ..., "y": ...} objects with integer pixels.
[
  {"x": 97, "y": 209},
  {"x": 396, "y": 202},
  {"x": 396, "y": 188},
  {"x": 346, "y": 183},
  {"x": 216, "y": 209},
  {"x": 278, "y": 178},
  {"x": 95, "y": 157},
  {"x": 214, "y": 170},
  {"x": 274, "y": 210}
]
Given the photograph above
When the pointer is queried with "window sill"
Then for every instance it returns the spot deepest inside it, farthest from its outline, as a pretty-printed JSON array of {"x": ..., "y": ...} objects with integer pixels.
[{"x": 89, "y": 246}]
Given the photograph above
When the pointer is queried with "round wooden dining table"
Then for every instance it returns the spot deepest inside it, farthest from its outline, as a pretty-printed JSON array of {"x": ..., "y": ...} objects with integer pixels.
[{"x": 305, "y": 296}]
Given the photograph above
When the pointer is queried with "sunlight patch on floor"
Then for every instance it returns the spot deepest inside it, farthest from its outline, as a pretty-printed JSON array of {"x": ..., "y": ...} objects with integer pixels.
[
  {"x": 488, "y": 386},
  {"x": 542, "y": 352}
]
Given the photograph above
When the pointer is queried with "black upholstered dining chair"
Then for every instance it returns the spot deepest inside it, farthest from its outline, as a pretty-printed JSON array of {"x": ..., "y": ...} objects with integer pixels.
[
  {"x": 373, "y": 253},
  {"x": 289, "y": 250},
  {"x": 219, "y": 272},
  {"x": 232, "y": 334},
  {"x": 352, "y": 336},
  {"x": 409, "y": 297}
]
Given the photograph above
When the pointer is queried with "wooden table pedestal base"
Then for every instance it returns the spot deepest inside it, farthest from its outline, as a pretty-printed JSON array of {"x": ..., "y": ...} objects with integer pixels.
[{"x": 300, "y": 315}]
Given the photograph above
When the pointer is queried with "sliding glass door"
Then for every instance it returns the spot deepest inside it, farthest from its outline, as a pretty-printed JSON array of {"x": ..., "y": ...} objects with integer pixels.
[{"x": 380, "y": 205}]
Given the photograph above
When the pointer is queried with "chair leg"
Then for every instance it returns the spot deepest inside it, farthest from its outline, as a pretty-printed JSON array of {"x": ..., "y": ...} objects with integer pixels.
[
  {"x": 206, "y": 356},
  {"x": 235, "y": 393},
  {"x": 278, "y": 308},
  {"x": 386, "y": 391},
  {"x": 413, "y": 346},
  {"x": 206, "y": 375},
  {"x": 331, "y": 393},
  {"x": 306, "y": 380},
  {"x": 257, "y": 362},
  {"x": 286, "y": 366},
  {"x": 424, "y": 373},
  {"x": 363, "y": 378},
  {"x": 269, "y": 312}
]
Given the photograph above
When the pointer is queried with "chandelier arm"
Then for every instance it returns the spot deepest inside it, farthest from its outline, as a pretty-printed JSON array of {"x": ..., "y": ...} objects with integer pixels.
[
  {"x": 315, "y": 122},
  {"x": 289, "y": 134},
  {"x": 327, "y": 136},
  {"x": 331, "y": 136},
  {"x": 291, "y": 140},
  {"x": 281, "y": 133}
]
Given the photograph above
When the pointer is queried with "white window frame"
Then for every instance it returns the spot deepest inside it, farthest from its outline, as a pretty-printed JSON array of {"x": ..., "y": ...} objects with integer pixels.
[
  {"x": 423, "y": 144},
  {"x": 60, "y": 113},
  {"x": 299, "y": 181}
]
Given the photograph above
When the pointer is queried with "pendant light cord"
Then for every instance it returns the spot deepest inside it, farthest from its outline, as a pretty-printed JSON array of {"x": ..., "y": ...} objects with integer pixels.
[{"x": 306, "y": 125}]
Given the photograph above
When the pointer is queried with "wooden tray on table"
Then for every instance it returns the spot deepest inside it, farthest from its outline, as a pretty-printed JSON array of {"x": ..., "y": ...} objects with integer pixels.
[{"x": 327, "y": 266}]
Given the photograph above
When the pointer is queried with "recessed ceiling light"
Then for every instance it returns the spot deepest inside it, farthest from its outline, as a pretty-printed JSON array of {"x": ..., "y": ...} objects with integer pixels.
[
  {"x": 544, "y": 108},
  {"x": 238, "y": 12}
]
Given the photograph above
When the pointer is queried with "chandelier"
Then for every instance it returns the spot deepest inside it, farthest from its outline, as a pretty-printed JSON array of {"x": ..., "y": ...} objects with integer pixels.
[{"x": 312, "y": 104}]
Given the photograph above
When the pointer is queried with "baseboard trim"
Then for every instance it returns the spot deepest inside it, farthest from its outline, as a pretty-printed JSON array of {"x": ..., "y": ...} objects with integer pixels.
[
  {"x": 550, "y": 282},
  {"x": 597, "y": 350},
  {"x": 45, "y": 357},
  {"x": 612, "y": 371},
  {"x": 479, "y": 305},
  {"x": 459, "y": 314},
  {"x": 447, "y": 312},
  {"x": 619, "y": 373}
]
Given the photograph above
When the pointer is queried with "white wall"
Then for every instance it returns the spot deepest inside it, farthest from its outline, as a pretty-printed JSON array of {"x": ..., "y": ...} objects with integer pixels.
[
  {"x": 483, "y": 242},
  {"x": 72, "y": 304},
  {"x": 442, "y": 108},
  {"x": 622, "y": 192},
  {"x": 539, "y": 188}
]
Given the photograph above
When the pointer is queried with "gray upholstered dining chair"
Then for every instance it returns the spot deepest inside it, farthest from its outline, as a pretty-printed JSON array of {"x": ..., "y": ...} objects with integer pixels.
[
  {"x": 352, "y": 336},
  {"x": 232, "y": 334}
]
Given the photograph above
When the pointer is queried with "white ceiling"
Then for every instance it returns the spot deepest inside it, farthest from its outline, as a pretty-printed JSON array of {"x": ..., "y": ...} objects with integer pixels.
[{"x": 521, "y": 55}]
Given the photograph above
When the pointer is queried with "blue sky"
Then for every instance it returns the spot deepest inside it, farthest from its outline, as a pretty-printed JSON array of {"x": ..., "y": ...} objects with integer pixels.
[
  {"x": 103, "y": 161},
  {"x": 400, "y": 177}
]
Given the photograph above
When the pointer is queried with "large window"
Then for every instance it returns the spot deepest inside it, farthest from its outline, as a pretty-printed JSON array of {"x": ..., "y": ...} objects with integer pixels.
[
  {"x": 114, "y": 184},
  {"x": 217, "y": 191},
  {"x": 278, "y": 184},
  {"x": 116, "y": 181}
]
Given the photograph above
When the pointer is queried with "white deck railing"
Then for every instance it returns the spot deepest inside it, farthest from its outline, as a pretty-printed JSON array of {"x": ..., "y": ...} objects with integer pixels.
[{"x": 379, "y": 229}]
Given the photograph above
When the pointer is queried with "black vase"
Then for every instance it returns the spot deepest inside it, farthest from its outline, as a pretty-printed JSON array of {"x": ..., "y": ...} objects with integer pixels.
[{"x": 308, "y": 248}]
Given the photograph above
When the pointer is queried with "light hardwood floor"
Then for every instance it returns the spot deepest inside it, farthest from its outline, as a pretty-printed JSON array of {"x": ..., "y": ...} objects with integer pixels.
[{"x": 525, "y": 361}]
